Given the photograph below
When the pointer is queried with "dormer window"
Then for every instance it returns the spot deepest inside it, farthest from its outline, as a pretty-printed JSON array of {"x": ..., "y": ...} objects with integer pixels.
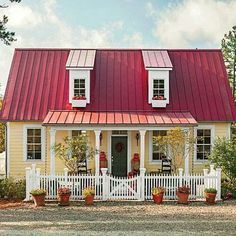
[
  {"x": 79, "y": 88},
  {"x": 159, "y": 88},
  {"x": 158, "y": 65},
  {"x": 79, "y": 64}
]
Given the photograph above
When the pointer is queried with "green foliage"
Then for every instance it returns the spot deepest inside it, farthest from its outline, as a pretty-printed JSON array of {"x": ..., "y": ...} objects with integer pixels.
[
  {"x": 228, "y": 45},
  {"x": 73, "y": 151},
  {"x": 10, "y": 188},
  {"x": 223, "y": 155},
  {"x": 6, "y": 36},
  {"x": 158, "y": 191},
  {"x": 210, "y": 190},
  {"x": 37, "y": 192},
  {"x": 228, "y": 186},
  {"x": 173, "y": 146}
]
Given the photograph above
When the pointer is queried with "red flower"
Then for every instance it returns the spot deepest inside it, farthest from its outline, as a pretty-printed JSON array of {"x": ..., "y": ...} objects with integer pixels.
[
  {"x": 158, "y": 98},
  {"x": 80, "y": 97}
]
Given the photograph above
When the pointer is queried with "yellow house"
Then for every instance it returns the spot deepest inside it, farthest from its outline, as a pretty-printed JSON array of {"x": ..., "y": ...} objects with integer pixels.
[{"x": 120, "y": 98}]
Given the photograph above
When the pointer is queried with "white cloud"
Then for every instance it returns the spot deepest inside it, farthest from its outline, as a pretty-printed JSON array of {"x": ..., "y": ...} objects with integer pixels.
[
  {"x": 134, "y": 40},
  {"x": 193, "y": 22},
  {"x": 22, "y": 16}
]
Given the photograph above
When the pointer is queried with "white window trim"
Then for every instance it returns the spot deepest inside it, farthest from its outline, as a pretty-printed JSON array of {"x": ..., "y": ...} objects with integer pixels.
[
  {"x": 43, "y": 150},
  {"x": 162, "y": 75},
  {"x": 79, "y": 74},
  {"x": 212, "y": 128}
]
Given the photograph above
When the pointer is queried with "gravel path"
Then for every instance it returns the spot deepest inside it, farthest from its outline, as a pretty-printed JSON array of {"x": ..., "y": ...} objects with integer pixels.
[{"x": 120, "y": 218}]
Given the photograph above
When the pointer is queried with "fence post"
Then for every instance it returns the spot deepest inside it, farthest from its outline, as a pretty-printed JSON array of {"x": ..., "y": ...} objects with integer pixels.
[
  {"x": 181, "y": 177},
  {"x": 218, "y": 184},
  {"x": 37, "y": 176},
  {"x": 104, "y": 184},
  {"x": 66, "y": 176},
  {"x": 142, "y": 183},
  {"x": 206, "y": 180},
  {"x": 212, "y": 170},
  {"x": 28, "y": 186}
]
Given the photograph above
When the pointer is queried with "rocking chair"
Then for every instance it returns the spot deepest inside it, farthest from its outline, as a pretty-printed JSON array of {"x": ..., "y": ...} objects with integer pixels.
[{"x": 82, "y": 167}]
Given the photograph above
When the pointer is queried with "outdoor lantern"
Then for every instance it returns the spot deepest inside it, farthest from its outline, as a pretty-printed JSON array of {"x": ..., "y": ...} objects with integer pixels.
[{"x": 137, "y": 138}]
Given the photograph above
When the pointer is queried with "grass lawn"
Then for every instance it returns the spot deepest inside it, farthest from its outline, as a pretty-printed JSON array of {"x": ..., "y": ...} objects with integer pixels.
[{"x": 119, "y": 218}]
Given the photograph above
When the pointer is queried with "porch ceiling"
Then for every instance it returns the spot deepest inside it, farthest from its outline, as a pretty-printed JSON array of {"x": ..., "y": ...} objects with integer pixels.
[{"x": 119, "y": 118}]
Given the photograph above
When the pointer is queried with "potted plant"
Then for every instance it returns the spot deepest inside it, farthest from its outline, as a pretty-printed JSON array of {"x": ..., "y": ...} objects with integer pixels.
[
  {"x": 183, "y": 194},
  {"x": 157, "y": 194},
  {"x": 88, "y": 194},
  {"x": 38, "y": 197},
  {"x": 210, "y": 194},
  {"x": 63, "y": 196},
  {"x": 79, "y": 101}
]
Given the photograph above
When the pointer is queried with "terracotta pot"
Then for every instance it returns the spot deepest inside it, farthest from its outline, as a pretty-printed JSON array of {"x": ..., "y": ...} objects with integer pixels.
[
  {"x": 63, "y": 199},
  {"x": 89, "y": 200},
  {"x": 210, "y": 198},
  {"x": 39, "y": 200},
  {"x": 158, "y": 198},
  {"x": 182, "y": 197}
]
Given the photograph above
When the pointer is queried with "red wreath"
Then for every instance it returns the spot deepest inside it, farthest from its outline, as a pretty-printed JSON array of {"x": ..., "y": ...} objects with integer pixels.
[{"x": 119, "y": 147}]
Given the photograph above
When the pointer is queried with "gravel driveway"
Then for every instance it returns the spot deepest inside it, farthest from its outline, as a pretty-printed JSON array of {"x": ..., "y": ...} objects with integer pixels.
[{"x": 120, "y": 218}]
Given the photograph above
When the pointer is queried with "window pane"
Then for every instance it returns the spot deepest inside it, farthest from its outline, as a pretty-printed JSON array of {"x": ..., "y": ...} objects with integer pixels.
[
  {"x": 203, "y": 143},
  {"x": 33, "y": 144},
  {"x": 157, "y": 154},
  {"x": 76, "y": 133}
]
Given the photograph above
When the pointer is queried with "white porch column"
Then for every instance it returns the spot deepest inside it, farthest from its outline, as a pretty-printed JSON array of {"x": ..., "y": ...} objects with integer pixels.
[
  {"x": 142, "y": 147},
  {"x": 97, "y": 149},
  {"x": 186, "y": 154},
  {"x": 52, "y": 152}
]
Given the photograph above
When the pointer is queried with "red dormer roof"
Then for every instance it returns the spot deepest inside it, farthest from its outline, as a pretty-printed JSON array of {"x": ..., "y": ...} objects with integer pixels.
[{"x": 39, "y": 82}]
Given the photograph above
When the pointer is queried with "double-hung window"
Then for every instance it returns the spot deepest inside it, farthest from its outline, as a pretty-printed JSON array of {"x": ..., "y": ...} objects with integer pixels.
[
  {"x": 157, "y": 154},
  {"x": 159, "y": 88},
  {"x": 33, "y": 143},
  {"x": 204, "y": 144},
  {"x": 79, "y": 87}
]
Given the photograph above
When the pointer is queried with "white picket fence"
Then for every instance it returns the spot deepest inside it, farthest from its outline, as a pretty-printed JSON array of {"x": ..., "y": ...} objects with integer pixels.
[{"x": 109, "y": 187}]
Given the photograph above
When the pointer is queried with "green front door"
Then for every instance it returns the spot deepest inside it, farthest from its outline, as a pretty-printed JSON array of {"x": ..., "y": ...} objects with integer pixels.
[{"x": 119, "y": 155}]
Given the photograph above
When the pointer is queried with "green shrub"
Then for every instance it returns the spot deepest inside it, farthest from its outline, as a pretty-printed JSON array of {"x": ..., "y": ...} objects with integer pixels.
[
  {"x": 11, "y": 188},
  {"x": 210, "y": 190},
  {"x": 228, "y": 186},
  {"x": 37, "y": 192}
]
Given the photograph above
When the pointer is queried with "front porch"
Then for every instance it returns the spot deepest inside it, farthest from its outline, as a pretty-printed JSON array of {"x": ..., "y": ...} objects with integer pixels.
[{"x": 119, "y": 135}]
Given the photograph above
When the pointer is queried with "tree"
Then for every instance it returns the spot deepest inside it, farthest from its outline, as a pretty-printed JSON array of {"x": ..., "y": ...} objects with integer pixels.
[
  {"x": 173, "y": 146},
  {"x": 73, "y": 151},
  {"x": 228, "y": 45},
  {"x": 6, "y": 36},
  {"x": 223, "y": 155}
]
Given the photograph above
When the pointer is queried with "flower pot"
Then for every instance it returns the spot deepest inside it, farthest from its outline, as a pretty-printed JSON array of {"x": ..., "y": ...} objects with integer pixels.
[
  {"x": 39, "y": 200},
  {"x": 63, "y": 199},
  {"x": 89, "y": 200},
  {"x": 210, "y": 198},
  {"x": 182, "y": 197},
  {"x": 79, "y": 103},
  {"x": 158, "y": 198}
]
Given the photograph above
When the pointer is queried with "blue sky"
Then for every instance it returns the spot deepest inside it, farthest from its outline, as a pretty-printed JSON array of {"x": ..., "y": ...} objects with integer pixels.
[{"x": 116, "y": 23}]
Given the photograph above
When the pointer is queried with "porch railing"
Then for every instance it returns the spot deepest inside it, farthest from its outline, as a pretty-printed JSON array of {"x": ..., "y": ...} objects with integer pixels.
[{"x": 109, "y": 187}]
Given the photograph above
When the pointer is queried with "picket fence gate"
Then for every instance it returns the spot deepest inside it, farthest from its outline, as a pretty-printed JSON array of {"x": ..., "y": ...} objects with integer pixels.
[{"x": 108, "y": 187}]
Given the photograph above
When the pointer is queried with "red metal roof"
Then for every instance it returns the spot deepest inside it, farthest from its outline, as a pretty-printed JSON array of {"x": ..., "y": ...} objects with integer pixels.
[
  {"x": 81, "y": 58},
  {"x": 39, "y": 82},
  {"x": 156, "y": 59},
  {"x": 118, "y": 118}
]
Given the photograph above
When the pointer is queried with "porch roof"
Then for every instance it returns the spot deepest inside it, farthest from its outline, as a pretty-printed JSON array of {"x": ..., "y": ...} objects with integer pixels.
[{"x": 118, "y": 118}]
